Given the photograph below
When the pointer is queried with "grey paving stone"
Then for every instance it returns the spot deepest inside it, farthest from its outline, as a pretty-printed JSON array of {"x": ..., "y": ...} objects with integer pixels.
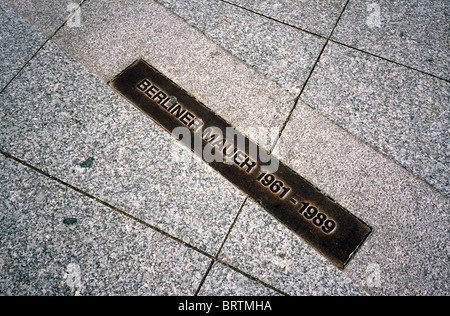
[
  {"x": 55, "y": 241},
  {"x": 223, "y": 281},
  {"x": 282, "y": 53},
  {"x": 48, "y": 15},
  {"x": 66, "y": 121},
  {"x": 414, "y": 33},
  {"x": 318, "y": 16},
  {"x": 19, "y": 40},
  {"x": 407, "y": 252},
  {"x": 113, "y": 36},
  {"x": 264, "y": 248},
  {"x": 399, "y": 111}
]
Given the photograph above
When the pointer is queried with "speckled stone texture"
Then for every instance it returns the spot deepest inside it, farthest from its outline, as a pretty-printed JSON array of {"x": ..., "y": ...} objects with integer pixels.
[
  {"x": 410, "y": 32},
  {"x": 399, "y": 111},
  {"x": 407, "y": 252},
  {"x": 317, "y": 16},
  {"x": 282, "y": 53},
  {"x": 99, "y": 252},
  {"x": 369, "y": 132},
  {"x": 263, "y": 247}
]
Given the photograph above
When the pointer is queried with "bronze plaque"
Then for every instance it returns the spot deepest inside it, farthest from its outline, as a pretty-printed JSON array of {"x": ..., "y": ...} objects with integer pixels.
[{"x": 291, "y": 199}]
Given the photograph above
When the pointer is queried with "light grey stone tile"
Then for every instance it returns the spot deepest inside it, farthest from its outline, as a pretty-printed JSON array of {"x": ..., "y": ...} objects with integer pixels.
[
  {"x": 318, "y": 16},
  {"x": 223, "y": 281},
  {"x": 263, "y": 247},
  {"x": 66, "y": 121},
  {"x": 407, "y": 252},
  {"x": 55, "y": 241},
  {"x": 48, "y": 15},
  {"x": 413, "y": 33},
  {"x": 113, "y": 36},
  {"x": 19, "y": 40},
  {"x": 399, "y": 111},
  {"x": 282, "y": 53}
]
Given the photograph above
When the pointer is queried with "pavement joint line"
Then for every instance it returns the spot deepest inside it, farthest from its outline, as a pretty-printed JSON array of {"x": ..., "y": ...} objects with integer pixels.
[
  {"x": 24, "y": 65},
  {"x": 221, "y": 246},
  {"x": 231, "y": 227},
  {"x": 389, "y": 60},
  {"x": 251, "y": 277},
  {"x": 202, "y": 281},
  {"x": 336, "y": 41},
  {"x": 273, "y": 19},
  {"x": 288, "y": 118},
  {"x": 298, "y": 98},
  {"x": 39, "y": 49},
  {"x": 283, "y": 127},
  {"x": 156, "y": 229},
  {"x": 227, "y": 51}
]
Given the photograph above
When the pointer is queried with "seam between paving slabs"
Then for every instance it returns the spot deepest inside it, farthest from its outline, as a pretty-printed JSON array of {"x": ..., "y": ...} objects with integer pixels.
[
  {"x": 309, "y": 76},
  {"x": 40, "y": 47},
  {"x": 155, "y": 228},
  {"x": 329, "y": 39},
  {"x": 220, "y": 248}
]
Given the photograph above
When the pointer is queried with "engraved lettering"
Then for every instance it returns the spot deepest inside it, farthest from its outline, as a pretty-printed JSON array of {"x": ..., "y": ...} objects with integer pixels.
[{"x": 290, "y": 198}]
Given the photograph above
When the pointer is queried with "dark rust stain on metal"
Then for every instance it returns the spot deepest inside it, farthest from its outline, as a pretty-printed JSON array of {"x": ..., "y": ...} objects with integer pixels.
[{"x": 287, "y": 196}]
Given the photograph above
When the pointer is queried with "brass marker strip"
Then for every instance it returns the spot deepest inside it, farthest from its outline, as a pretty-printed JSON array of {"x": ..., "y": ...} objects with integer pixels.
[{"x": 319, "y": 220}]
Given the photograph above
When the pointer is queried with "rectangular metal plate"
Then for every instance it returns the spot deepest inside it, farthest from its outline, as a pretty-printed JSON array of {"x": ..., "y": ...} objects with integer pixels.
[{"x": 291, "y": 199}]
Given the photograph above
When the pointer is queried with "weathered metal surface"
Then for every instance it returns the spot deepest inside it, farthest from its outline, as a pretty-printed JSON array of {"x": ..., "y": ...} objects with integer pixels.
[{"x": 291, "y": 199}]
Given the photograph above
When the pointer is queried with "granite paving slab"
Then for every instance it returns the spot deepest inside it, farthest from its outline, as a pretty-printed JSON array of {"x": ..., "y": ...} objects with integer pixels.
[
  {"x": 407, "y": 253},
  {"x": 55, "y": 241},
  {"x": 400, "y": 112},
  {"x": 19, "y": 41},
  {"x": 284, "y": 54},
  {"x": 68, "y": 122},
  {"x": 413, "y": 33}
]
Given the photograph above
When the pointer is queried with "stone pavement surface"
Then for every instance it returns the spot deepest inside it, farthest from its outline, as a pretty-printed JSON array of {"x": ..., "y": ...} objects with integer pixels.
[{"x": 97, "y": 199}]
